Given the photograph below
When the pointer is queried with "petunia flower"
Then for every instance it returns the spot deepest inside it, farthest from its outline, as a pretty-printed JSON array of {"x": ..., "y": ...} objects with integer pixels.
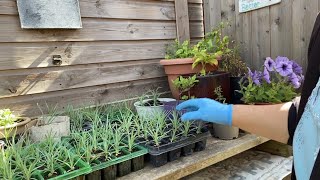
[
  {"x": 283, "y": 67},
  {"x": 269, "y": 64},
  {"x": 256, "y": 77},
  {"x": 281, "y": 59},
  {"x": 250, "y": 74},
  {"x": 293, "y": 78},
  {"x": 296, "y": 68},
  {"x": 266, "y": 75}
]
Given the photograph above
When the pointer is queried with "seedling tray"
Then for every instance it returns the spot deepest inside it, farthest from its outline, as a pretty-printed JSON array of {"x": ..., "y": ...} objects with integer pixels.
[
  {"x": 141, "y": 151},
  {"x": 159, "y": 156},
  {"x": 179, "y": 144},
  {"x": 82, "y": 168}
]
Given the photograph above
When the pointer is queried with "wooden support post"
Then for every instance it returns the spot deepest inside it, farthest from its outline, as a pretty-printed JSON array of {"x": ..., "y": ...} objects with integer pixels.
[{"x": 182, "y": 20}]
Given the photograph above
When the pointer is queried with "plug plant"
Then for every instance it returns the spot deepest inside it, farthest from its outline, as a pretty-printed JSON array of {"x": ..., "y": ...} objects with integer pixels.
[
  {"x": 184, "y": 85},
  {"x": 176, "y": 126}
]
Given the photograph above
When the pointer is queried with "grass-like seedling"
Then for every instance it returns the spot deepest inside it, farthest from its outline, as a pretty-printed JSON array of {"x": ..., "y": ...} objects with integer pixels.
[
  {"x": 176, "y": 126},
  {"x": 186, "y": 126},
  {"x": 157, "y": 128},
  {"x": 117, "y": 140}
]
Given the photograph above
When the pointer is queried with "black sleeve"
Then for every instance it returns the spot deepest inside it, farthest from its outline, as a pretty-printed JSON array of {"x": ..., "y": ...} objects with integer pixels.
[{"x": 292, "y": 122}]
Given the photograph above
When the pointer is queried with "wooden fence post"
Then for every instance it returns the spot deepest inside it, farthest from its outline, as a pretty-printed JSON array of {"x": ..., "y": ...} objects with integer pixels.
[
  {"x": 212, "y": 14},
  {"x": 182, "y": 20}
]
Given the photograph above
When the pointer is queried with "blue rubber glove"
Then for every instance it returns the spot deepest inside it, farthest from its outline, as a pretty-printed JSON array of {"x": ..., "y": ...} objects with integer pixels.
[{"x": 206, "y": 110}]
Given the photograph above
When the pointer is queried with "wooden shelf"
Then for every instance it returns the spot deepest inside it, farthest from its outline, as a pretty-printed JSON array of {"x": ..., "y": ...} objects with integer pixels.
[{"x": 216, "y": 151}]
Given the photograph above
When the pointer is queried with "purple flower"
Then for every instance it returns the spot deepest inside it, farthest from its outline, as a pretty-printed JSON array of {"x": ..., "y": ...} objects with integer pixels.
[
  {"x": 301, "y": 78},
  {"x": 296, "y": 68},
  {"x": 283, "y": 67},
  {"x": 269, "y": 64},
  {"x": 282, "y": 59},
  {"x": 250, "y": 74},
  {"x": 256, "y": 77},
  {"x": 293, "y": 78},
  {"x": 266, "y": 75}
]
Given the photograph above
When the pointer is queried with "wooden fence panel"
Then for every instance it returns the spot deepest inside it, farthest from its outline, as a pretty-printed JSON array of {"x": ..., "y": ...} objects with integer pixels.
[{"x": 283, "y": 29}]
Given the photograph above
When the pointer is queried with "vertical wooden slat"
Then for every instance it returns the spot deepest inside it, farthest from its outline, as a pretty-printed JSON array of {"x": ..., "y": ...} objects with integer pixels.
[
  {"x": 299, "y": 41},
  {"x": 281, "y": 29},
  {"x": 182, "y": 20},
  {"x": 243, "y": 35},
  {"x": 260, "y": 37},
  {"x": 212, "y": 14},
  {"x": 228, "y": 15}
]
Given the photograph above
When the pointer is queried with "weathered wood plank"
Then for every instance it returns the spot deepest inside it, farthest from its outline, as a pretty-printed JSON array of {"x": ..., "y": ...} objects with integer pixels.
[
  {"x": 216, "y": 151},
  {"x": 32, "y": 55},
  {"x": 276, "y": 148},
  {"x": 95, "y": 30},
  {"x": 228, "y": 16},
  {"x": 182, "y": 20},
  {"x": 247, "y": 165},
  {"x": 81, "y": 97},
  {"x": 126, "y": 9},
  {"x": 32, "y": 81},
  {"x": 212, "y": 14},
  {"x": 260, "y": 37},
  {"x": 243, "y": 35},
  {"x": 300, "y": 38},
  {"x": 281, "y": 29},
  {"x": 189, "y": 1}
]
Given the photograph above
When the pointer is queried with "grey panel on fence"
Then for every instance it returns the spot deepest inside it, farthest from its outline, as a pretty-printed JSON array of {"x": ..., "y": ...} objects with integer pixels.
[{"x": 49, "y": 14}]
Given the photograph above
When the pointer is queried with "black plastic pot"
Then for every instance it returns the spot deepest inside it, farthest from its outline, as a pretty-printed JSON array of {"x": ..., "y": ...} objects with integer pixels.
[
  {"x": 234, "y": 88},
  {"x": 137, "y": 163},
  {"x": 174, "y": 154},
  {"x": 200, "y": 146},
  {"x": 208, "y": 83},
  {"x": 109, "y": 173},
  {"x": 160, "y": 155},
  {"x": 187, "y": 150},
  {"x": 124, "y": 168},
  {"x": 159, "y": 160},
  {"x": 94, "y": 175}
]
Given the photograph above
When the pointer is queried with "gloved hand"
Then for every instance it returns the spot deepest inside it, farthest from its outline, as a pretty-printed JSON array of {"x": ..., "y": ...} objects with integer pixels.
[{"x": 206, "y": 110}]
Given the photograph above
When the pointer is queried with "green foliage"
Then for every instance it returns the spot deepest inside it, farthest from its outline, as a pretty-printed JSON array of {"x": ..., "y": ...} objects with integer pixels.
[
  {"x": 153, "y": 95},
  {"x": 219, "y": 93},
  {"x": 276, "y": 92},
  {"x": 233, "y": 64},
  {"x": 207, "y": 51},
  {"x": 177, "y": 50},
  {"x": 184, "y": 85},
  {"x": 7, "y": 117}
]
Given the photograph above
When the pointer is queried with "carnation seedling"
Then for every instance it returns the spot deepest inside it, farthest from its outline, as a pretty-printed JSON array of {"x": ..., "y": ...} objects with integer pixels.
[{"x": 176, "y": 126}]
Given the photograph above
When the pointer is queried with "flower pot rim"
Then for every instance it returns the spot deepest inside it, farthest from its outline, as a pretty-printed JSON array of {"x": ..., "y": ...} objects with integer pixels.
[
  {"x": 170, "y": 62},
  {"x": 137, "y": 104},
  {"x": 24, "y": 122}
]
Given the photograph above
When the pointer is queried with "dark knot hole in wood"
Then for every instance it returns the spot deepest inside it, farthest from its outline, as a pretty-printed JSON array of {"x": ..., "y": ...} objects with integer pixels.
[{"x": 56, "y": 60}]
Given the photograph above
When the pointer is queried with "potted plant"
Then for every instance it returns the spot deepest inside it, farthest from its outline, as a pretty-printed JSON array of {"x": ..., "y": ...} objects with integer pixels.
[
  {"x": 278, "y": 83},
  {"x": 150, "y": 104},
  {"x": 52, "y": 124},
  {"x": 223, "y": 131},
  {"x": 10, "y": 124},
  {"x": 202, "y": 59},
  {"x": 233, "y": 64}
]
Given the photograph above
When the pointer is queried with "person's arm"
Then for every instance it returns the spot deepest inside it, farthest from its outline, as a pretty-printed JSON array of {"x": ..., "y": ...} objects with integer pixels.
[{"x": 270, "y": 121}]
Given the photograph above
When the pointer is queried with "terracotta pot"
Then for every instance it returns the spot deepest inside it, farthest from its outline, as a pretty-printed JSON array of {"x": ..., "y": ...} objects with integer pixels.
[
  {"x": 177, "y": 67},
  {"x": 16, "y": 128}
]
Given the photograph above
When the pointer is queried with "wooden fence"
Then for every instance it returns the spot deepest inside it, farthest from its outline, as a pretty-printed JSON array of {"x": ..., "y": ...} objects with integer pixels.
[
  {"x": 283, "y": 29},
  {"x": 114, "y": 56}
]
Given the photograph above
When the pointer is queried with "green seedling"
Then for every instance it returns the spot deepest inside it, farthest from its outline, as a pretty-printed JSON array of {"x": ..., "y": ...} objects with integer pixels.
[
  {"x": 176, "y": 126},
  {"x": 68, "y": 159},
  {"x": 117, "y": 140},
  {"x": 157, "y": 128},
  {"x": 7, "y": 169},
  {"x": 131, "y": 138},
  {"x": 186, "y": 127}
]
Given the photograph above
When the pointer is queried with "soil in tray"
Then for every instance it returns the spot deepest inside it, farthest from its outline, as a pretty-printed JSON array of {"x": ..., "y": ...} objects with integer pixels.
[
  {"x": 187, "y": 150},
  {"x": 124, "y": 168},
  {"x": 109, "y": 173},
  {"x": 159, "y": 160},
  {"x": 137, "y": 163}
]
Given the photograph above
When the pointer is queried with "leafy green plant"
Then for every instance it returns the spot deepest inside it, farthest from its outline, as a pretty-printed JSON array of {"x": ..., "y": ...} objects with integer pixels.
[
  {"x": 68, "y": 159},
  {"x": 7, "y": 169},
  {"x": 177, "y": 50},
  {"x": 117, "y": 140},
  {"x": 7, "y": 117},
  {"x": 157, "y": 128},
  {"x": 176, "y": 126},
  {"x": 233, "y": 63},
  {"x": 184, "y": 85},
  {"x": 186, "y": 127},
  {"x": 219, "y": 93}
]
